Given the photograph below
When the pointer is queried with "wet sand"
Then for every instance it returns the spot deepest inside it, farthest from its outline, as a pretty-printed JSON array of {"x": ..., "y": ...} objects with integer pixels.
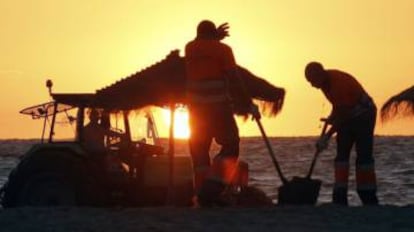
[{"x": 286, "y": 218}]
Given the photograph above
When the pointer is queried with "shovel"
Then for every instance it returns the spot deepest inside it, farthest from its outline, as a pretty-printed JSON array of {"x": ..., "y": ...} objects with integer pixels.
[
  {"x": 269, "y": 147},
  {"x": 302, "y": 190}
]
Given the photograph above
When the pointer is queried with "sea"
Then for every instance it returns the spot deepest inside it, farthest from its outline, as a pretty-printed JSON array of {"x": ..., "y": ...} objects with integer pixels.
[{"x": 394, "y": 162}]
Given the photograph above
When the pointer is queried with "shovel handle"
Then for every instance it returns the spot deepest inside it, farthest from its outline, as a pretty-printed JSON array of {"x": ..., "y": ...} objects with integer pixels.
[
  {"x": 269, "y": 147},
  {"x": 325, "y": 126}
]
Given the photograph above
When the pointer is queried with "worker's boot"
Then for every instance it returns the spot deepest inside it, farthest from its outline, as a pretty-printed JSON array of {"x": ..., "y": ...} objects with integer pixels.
[
  {"x": 368, "y": 197},
  {"x": 340, "y": 196}
]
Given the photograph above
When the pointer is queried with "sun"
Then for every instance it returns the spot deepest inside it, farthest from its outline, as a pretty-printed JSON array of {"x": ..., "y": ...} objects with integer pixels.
[{"x": 181, "y": 126}]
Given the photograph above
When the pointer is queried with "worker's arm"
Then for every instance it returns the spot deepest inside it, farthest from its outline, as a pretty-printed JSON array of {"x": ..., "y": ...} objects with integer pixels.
[
  {"x": 326, "y": 134},
  {"x": 338, "y": 116},
  {"x": 223, "y": 31},
  {"x": 112, "y": 133}
]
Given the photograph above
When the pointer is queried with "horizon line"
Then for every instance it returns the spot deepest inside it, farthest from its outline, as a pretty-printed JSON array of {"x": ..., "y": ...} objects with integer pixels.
[{"x": 250, "y": 136}]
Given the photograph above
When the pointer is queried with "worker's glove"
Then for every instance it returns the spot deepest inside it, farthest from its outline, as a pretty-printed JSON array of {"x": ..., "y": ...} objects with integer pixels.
[
  {"x": 322, "y": 143},
  {"x": 254, "y": 110},
  {"x": 223, "y": 31}
]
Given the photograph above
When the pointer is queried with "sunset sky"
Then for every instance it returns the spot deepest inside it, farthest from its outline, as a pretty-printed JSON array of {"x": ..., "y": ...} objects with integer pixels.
[{"x": 85, "y": 45}]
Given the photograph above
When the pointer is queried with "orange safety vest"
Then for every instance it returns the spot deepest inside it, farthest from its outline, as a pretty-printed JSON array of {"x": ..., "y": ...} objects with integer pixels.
[
  {"x": 343, "y": 89},
  {"x": 207, "y": 62},
  {"x": 207, "y": 91}
]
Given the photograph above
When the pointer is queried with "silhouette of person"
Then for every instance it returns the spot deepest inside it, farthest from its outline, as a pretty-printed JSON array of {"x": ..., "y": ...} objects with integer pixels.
[
  {"x": 353, "y": 118},
  {"x": 210, "y": 69},
  {"x": 94, "y": 133}
]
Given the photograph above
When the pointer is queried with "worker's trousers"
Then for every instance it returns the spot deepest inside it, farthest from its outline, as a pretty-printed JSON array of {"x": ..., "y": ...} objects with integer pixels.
[
  {"x": 206, "y": 124},
  {"x": 359, "y": 132}
]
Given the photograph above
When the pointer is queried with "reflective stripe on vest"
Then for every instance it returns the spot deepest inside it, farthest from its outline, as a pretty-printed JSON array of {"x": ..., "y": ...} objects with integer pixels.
[
  {"x": 365, "y": 177},
  {"x": 207, "y": 91},
  {"x": 341, "y": 174}
]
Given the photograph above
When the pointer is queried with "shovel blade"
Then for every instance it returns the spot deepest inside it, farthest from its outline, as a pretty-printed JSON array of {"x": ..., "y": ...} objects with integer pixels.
[{"x": 299, "y": 191}]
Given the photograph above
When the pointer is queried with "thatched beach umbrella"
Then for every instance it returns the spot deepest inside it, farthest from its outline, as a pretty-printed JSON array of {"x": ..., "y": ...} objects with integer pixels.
[
  {"x": 164, "y": 83},
  {"x": 400, "y": 104}
]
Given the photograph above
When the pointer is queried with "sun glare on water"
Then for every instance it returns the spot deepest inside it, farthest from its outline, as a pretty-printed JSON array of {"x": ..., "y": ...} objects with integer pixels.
[{"x": 181, "y": 126}]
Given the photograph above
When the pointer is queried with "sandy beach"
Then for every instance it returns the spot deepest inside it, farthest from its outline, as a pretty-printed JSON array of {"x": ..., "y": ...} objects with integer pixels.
[
  {"x": 320, "y": 218},
  {"x": 395, "y": 174}
]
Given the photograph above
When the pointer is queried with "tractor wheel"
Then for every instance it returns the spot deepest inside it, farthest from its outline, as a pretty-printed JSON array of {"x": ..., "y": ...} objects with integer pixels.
[
  {"x": 52, "y": 178},
  {"x": 47, "y": 189}
]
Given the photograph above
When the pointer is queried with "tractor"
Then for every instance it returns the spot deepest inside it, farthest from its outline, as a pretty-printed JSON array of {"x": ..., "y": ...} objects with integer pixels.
[{"x": 130, "y": 171}]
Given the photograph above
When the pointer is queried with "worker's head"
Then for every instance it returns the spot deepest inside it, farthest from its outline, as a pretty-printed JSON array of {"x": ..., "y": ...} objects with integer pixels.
[
  {"x": 315, "y": 74},
  {"x": 94, "y": 116},
  {"x": 206, "y": 30}
]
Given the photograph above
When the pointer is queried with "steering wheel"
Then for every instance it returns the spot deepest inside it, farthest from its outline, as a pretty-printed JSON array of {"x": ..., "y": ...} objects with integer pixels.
[{"x": 115, "y": 142}]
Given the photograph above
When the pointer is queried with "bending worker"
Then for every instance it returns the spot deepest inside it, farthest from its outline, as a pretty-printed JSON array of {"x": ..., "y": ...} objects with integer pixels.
[
  {"x": 353, "y": 119},
  {"x": 211, "y": 68}
]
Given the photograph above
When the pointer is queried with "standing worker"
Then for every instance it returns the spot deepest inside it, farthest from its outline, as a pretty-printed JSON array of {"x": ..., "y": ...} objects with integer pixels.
[
  {"x": 353, "y": 118},
  {"x": 211, "y": 68}
]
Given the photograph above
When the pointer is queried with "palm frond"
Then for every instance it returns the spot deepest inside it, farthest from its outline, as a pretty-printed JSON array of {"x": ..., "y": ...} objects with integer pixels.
[
  {"x": 401, "y": 104},
  {"x": 165, "y": 82}
]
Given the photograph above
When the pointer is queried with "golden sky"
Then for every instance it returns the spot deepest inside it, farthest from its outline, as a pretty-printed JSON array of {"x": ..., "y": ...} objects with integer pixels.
[{"x": 85, "y": 45}]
